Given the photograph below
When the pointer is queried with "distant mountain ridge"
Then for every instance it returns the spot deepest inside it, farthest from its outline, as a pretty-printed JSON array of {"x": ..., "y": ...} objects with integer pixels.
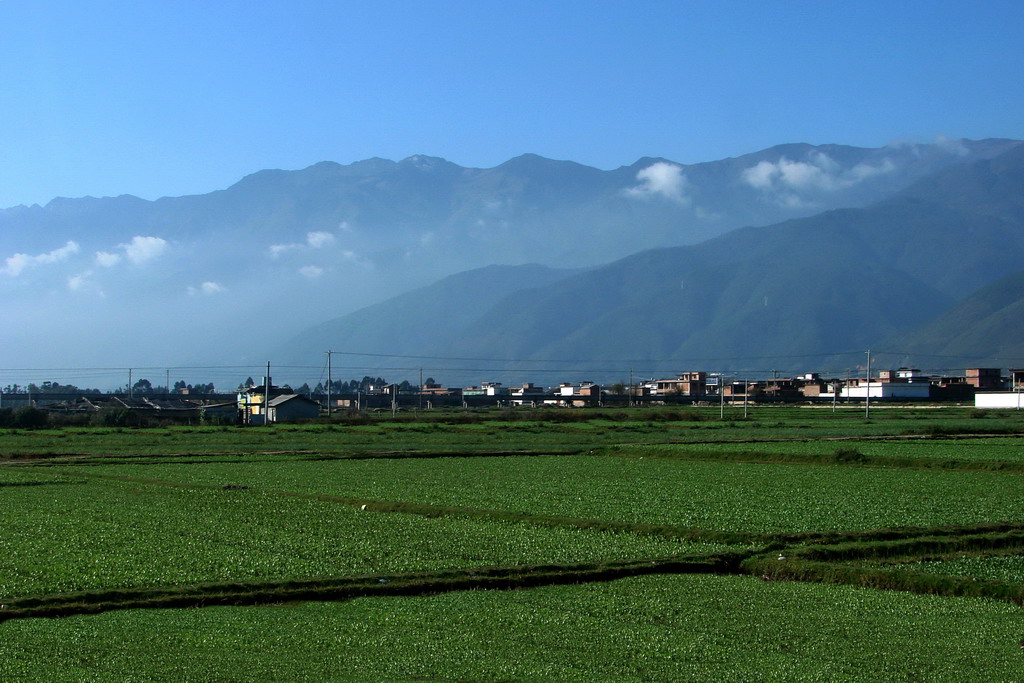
[
  {"x": 528, "y": 208},
  {"x": 791, "y": 294},
  {"x": 289, "y": 249}
]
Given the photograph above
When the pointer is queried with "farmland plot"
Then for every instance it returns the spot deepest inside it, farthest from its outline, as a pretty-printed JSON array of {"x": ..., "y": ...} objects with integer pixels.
[
  {"x": 250, "y": 514},
  {"x": 649, "y": 628},
  {"x": 99, "y": 534},
  {"x": 705, "y": 495}
]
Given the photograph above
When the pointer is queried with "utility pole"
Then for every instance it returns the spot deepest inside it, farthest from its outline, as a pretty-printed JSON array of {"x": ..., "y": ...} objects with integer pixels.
[
  {"x": 328, "y": 382},
  {"x": 420, "y": 392},
  {"x": 167, "y": 383},
  {"x": 721, "y": 397},
  {"x": 394, "y": 399},
  {"x": 746, "y": 391},
  {"x": 131, "y": 389},
  {"x": 835, "y": 393},
  {"x": 266, "y": 396},
  {"x": 867, "y": 394},
  {"x": 629, "y": 392}
]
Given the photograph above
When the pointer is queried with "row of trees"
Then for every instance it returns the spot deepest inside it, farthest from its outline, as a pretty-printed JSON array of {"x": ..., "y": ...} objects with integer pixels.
[
  {"x": 142, "y": 386},
  {"x": 47, "y": 388}
]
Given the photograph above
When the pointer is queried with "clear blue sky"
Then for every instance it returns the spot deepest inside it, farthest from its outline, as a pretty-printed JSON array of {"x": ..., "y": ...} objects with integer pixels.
[{"x": 152, "y": 98}]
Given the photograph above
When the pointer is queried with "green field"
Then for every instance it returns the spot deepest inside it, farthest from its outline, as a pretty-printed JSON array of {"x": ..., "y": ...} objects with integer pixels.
[
  {"x": 652, "y": 628},
  {"x": 642, "y": 545}
]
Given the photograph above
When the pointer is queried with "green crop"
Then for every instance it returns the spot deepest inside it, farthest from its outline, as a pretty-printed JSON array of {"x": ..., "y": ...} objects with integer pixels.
[
  {"x": 706, "y": 495},
  {"x": 651, "y": 628},
  {"x": 1009, "y": 568},
  {"x": 103, "y": 534}
]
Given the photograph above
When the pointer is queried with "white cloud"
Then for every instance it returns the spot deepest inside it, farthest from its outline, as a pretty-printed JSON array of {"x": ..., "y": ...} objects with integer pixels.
[
  {"x": 791, "y": 180},
  {"x": 953, "y": 146},
  {"x": 83, "y": 282},
  {"x": 143, "y": 249},
  {"x": 319, "y": 239},
  {"x": 14, "y": 265},
  {"x": 314, "y": 240},
  {"x": 107, "y": 259},
  {"x": 78, "y": 282},
  {"x": 311, "y": 272},
  {"x": 661, "y": 179},
  {"x": 278, "y": 249},
  {"x": 207, "y": 289}
]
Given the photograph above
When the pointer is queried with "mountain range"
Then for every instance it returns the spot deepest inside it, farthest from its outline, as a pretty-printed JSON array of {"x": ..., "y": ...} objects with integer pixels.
[
  {"x": 807, "y": 294},
  {"x": 654, "y": 261}
]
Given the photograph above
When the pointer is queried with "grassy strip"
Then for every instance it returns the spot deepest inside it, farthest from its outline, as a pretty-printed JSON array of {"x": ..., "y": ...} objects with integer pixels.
[
  {"x": 842, "y": 456},
  {"x": 398, "y": 455},
  {"x": 927, "y": 546},
  {"x": 246, "y": 457},
  {"x": 774, "y": 569},
  {"x": 334, "y": 589},
  {"x": 888, "y": 534}
]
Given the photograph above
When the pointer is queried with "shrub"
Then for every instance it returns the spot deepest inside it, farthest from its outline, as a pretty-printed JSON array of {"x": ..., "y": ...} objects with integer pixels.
[
  {"x": 849, "y": 456},
  {"x": 29, "y": 417},
  {"x": 117, "y": 417}
]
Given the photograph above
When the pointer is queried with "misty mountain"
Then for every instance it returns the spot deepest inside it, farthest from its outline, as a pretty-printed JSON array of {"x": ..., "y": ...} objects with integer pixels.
[
  {"x": 422, "y": 318},
  {"x": 526, "y": 209},
  {"x": 789, "y": 296},
  {"x": 986, "y": 327},
  {"x": 174, "y": 280}
]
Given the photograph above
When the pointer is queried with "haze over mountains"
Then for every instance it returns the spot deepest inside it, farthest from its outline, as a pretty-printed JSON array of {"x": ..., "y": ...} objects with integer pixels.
[
  {"x": 788, "y": 297},
  {"x": 228, "y": 275}
]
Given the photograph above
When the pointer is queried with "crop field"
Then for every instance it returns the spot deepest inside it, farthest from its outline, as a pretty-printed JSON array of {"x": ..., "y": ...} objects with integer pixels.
[
  {"x": 667, "y": 628},
  {"x": 1008, "y": 451},
  {"x": 517, "y": 430},
  {"x": 1010, "y": 568},
  {"x": 708, "y": 495},
  {"x": 653, "y": 544}
]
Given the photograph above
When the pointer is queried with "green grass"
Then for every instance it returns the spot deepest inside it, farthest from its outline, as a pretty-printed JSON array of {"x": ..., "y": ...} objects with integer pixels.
[
  {"x": 684, "y": 628},
  {"x": 706, "y": 495},
  {"x": 990, "y": 449},
  {"x": 105, "y": 534},
  {"x": 142, "y": 517},
  {"x": 1010, "y": 568},
  {"x": 628, "y": 426}
]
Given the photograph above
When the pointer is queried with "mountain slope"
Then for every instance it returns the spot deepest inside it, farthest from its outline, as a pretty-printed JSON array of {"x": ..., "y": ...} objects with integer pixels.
[
  {"x": 985, "y": 327},
  {"x": 780, "y": 297},
  {"x": 420, "y": 319}
]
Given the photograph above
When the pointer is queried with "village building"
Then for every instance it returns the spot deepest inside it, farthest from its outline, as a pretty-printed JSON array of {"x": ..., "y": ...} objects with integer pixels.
[
  {"x": 281, "y": 404},
  {"x": 985, "y": 379},
  {"x": 576, "y": 395},
  {"x": 684, "y": 384},
  {"x": 528, "y": 394}
]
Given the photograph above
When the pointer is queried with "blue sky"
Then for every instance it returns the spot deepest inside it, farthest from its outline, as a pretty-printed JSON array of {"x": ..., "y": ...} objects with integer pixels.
[{"x": 167, "y": 98}]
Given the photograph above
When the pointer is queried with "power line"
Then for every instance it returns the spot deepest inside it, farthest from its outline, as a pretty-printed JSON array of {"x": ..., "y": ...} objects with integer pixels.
[{"x": 601, "y": 360}]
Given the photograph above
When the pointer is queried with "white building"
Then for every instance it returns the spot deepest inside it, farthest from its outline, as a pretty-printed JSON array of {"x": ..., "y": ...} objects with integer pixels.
[
  {"x": 890, "y": 390},
  {"x": 999, "y": 399}
]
